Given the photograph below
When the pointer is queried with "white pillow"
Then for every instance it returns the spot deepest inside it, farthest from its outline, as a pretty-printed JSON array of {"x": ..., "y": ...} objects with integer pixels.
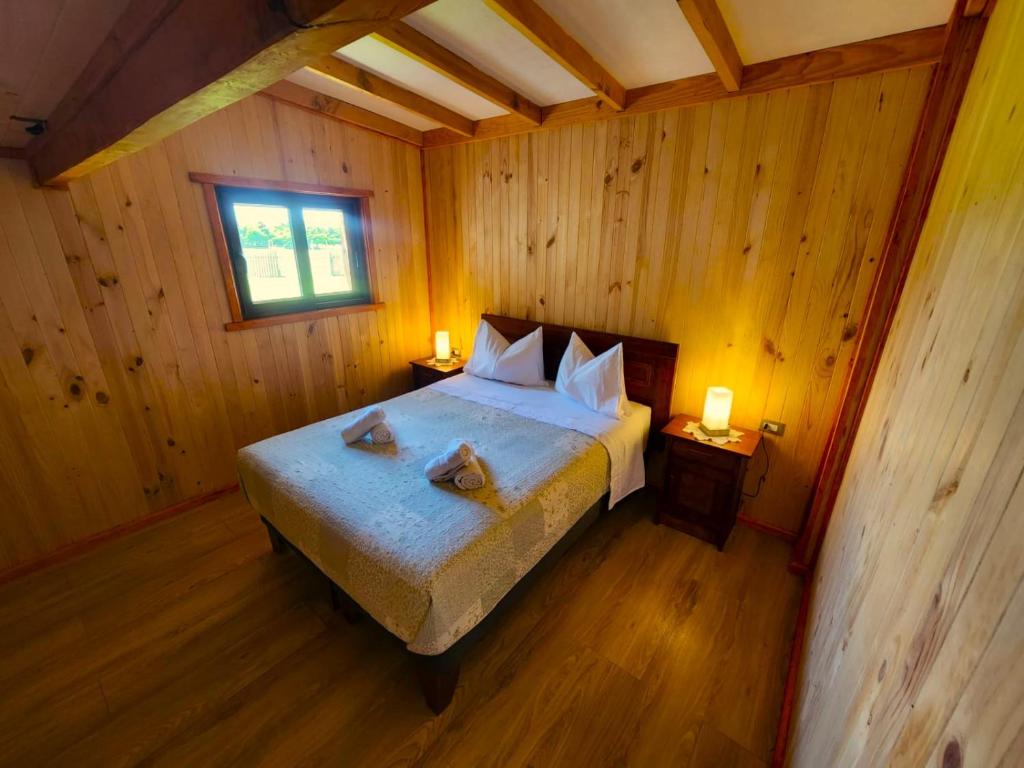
[
  {"x": 597, "y": 382},
  {"x": 494, "y": 358}
]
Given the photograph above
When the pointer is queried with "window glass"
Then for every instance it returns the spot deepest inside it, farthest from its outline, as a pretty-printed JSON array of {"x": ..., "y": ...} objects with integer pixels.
[
  {"x": 294, "y": 251},
  {"x": 328, "y": 250},
  {"x": 268, "y": 247}
]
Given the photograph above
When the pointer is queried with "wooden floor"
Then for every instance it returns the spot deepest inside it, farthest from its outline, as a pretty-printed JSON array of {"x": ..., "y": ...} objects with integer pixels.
[{"x": 190, "y": 643}]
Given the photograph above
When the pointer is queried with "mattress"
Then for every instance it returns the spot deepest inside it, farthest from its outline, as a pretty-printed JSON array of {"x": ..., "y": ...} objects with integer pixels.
[{"x": 426, "y": 560}]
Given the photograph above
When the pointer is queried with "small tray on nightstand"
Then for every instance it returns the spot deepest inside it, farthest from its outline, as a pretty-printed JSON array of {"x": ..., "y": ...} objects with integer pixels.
[{"x": 703, "y": 485}]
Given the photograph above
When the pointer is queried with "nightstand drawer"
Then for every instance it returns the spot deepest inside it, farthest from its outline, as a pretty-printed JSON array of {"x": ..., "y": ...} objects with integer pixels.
[
  {"x": 425, "y": 372},
  {"x": 709, "y": 457},
  {"x": 426, "y": 376}
]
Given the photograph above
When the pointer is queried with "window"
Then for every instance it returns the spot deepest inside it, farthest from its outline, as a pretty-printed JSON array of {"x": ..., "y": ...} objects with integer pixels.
[{"x": 289, "y": 249}]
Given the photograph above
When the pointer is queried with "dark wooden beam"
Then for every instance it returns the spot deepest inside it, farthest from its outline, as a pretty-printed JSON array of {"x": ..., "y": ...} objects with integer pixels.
[
  {"x": 708, "y": 25},
  {"x": 173, "y": 62},
  {"x": 12, "y": 153},
  {"x": 321, "y": 104},
  {"x": 935, "y": 127},
  {"x": 919, "y": 48},
  {"x": 974, "y": 7},
  {"x": 368, "y": 82},
  {"x": 411, "y": 42},
  {"x": 534, "y": 23}
]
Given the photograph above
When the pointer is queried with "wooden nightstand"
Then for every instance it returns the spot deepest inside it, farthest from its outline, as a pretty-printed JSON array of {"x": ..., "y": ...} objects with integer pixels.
[
  {"x": 424, "y": 372},
  {"x": 703, "y": 485}
]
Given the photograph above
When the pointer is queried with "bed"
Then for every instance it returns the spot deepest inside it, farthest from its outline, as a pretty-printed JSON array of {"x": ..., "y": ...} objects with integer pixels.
[{"x": 434, "y": 565}]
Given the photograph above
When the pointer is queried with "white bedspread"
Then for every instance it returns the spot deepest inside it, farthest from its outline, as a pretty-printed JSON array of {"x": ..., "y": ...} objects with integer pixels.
[
  {"x": 624, "y": 440},
  {"x": 426, "y": 560}
]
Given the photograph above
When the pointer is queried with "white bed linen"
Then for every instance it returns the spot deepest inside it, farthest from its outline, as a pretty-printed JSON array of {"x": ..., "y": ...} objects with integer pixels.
[
  {"x": 624, "y": 439},
  {"x": 426, "y": 560}
]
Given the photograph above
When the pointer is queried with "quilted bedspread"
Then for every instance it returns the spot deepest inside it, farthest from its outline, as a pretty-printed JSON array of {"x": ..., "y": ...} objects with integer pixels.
[{"x": 426, "y": 560}]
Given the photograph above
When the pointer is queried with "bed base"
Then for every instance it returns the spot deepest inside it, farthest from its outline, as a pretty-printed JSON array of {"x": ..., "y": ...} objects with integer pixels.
[{"x": 439, "y": 675}]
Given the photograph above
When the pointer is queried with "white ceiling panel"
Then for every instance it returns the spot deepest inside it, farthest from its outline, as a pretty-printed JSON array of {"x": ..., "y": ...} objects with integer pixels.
[
  {"x": 770, "y": 29},
  {"x": 477, "y": 34},
  {"x": 381, "y": 59},
  {"x": 331, "y": 87},
  {"x": 641, "y": 42}
]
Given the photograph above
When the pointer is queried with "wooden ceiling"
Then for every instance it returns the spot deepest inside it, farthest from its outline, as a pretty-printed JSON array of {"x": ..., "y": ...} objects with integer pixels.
[
  {"x": 430, "y": 73},
  {"x": 44, "y": 44},
  {"x": 599, "y": 55}
]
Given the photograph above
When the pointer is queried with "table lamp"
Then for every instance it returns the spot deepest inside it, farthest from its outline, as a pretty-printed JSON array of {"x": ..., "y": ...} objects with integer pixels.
[
  {"x": 442, "y": 348},
  {"x": 717, "y": 406}
]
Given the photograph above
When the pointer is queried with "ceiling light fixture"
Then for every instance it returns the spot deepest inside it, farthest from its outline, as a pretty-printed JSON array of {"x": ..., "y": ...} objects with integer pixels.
[{"x": 36, "y": 125}]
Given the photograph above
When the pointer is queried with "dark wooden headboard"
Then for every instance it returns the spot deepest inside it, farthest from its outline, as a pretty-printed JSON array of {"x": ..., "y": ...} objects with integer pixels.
[{"x": 650, "y": 366}]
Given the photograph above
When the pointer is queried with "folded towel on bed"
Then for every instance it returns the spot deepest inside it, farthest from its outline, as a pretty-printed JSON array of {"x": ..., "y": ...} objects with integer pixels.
[
  {"x": 469, "y": 476},
  {"x": 382, "y": 433},
  {"x": 359, "y": 424},
  {"x": 445, "y": 465}
]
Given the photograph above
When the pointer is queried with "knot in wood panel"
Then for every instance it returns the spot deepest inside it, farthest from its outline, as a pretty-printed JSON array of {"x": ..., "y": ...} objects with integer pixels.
[{"x": 952, "y": 757}]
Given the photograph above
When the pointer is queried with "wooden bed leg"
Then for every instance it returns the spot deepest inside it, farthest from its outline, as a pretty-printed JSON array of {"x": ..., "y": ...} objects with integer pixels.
[
  {"x": 349, "y": 608},
  {"x": 335, "y": 598},
  {"x": 438, "y": 681},
  {"x": 277, "y": 542},
  {"x": 353, "y": 613}
]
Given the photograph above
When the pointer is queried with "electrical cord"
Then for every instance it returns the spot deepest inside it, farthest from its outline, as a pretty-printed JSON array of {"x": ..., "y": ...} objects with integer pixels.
[
  {"x": 767, "y": 466},
  {"x": 281, "y": 6}
]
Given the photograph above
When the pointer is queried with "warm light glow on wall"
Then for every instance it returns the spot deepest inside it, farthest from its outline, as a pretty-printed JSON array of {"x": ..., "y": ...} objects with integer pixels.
[
  {"x": 442, "y": 347},
  {"x": 717, "y": 407}
]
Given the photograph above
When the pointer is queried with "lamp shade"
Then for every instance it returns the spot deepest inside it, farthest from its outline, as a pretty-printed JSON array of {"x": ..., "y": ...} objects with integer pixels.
[
  {"x": 442, "y": 346},
  {"x": 717, "y": 407}
]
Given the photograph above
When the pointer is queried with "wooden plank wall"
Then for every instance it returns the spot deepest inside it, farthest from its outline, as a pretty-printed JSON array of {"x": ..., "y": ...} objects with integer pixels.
[
  {"x": 747, "y": 231},
  {"x": 121, "y": 392},
  {"x": 915, "y": 651}
]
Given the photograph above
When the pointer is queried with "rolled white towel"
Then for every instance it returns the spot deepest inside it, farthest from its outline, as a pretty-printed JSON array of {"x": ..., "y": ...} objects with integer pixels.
[
  {"x": 358, "y": 425},
  {"x": 470, "y": 476},
  {"x": 382, "y": 433},
  {"x": 443, "y": 466}
]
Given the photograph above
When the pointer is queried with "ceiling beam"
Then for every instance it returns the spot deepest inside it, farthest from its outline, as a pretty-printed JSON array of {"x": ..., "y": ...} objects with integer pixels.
[
  {"x": 534, "y": 23},
  {"x": 321, "y": 104},
  {"x": 411, "y": 42},
  {"x": 713, "y": 34},
  {"x": 368, "y": 82},
  {"x": 922, "y": 47},
  {"x": 187, "y": 59},
  {"x": 979, "y": 8}
]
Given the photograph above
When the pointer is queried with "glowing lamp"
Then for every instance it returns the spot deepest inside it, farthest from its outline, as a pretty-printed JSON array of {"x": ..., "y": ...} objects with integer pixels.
[
  {"x": 442, "y": 347},
  {"x": 717, "y": 406}
]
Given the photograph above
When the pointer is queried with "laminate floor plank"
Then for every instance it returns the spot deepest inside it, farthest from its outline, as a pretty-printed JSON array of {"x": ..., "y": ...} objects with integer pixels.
[
  {"x": 715, "y": 750},
  {"x": 142, "y": 557},
  {"x": 137, "y": 734},
  {"x": 190, "y": 643},
  {"x": 175, "y": 623}
]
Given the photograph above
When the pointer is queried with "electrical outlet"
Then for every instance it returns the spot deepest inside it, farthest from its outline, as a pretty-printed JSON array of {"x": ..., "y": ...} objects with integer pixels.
[{"x": 776, "y": 428}]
